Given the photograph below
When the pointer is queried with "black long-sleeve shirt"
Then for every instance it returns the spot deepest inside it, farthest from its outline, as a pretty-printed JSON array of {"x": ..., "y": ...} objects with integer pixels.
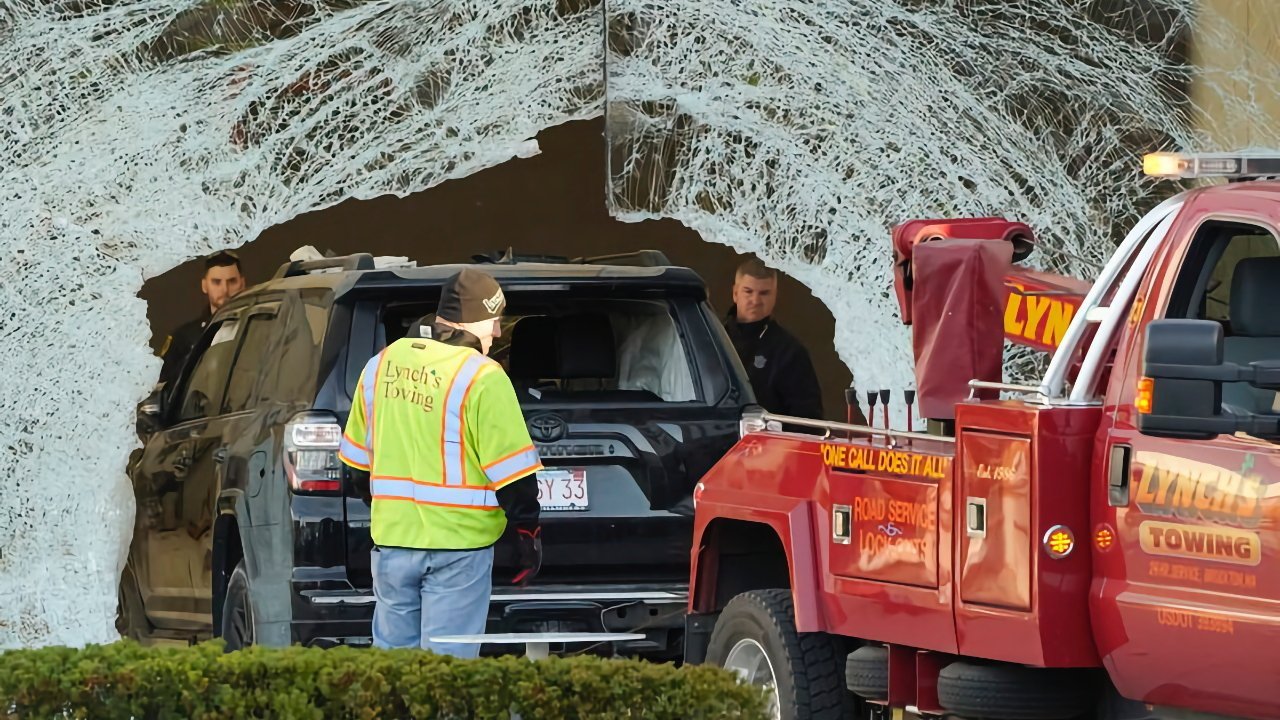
[
  {"x": 778, "y": 366},
  {"x": 179, "y": 345}
]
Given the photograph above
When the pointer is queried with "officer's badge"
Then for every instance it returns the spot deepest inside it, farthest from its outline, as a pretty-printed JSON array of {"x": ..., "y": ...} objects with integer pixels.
[{"x": 760, "y": 361}]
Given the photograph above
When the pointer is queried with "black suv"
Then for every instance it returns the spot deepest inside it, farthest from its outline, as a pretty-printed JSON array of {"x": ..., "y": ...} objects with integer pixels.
[{"x": 249, "y": 528}]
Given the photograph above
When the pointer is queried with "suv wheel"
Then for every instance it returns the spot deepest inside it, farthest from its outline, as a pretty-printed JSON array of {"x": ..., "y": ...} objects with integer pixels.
[
  {"x": 756, "y": 637},
  {"x": 131, "y": 616},
  {"x": 237, "y": 611}
]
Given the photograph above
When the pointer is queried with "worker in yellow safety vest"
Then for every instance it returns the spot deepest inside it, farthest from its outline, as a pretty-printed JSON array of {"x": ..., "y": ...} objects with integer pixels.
[{"x": 436, "y": 425}]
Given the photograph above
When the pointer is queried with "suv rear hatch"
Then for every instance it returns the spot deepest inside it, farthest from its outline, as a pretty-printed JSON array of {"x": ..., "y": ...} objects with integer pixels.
[{"x": 629, "y": 396}]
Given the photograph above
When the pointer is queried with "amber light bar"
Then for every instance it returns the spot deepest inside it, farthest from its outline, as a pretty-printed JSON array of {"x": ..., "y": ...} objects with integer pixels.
[{"x": 1202, "y": 165}]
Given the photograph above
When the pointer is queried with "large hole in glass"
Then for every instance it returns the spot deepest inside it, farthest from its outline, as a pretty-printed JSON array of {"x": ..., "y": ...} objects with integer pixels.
[
  {"x": 183, "y": 555},
  {"x": 550, "y": 204}
]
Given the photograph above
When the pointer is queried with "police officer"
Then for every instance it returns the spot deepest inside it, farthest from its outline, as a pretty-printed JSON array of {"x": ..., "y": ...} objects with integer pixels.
[
  {"x": 777, "y": 364},
  {"x": 222, "y": 280},
  {"x": 437, "y": 426}
]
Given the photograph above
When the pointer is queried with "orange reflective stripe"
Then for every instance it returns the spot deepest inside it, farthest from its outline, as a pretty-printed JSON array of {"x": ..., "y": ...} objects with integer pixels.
[
  {"x": 462, "y": 418},
  {"x": 461, "y": 497},
  {"x": 435, "y": 504},
  {"x": 508, "y": 456},
  {"x": 452, "y": 441},
  {"x": 518, "y": 464},
  {"x": 370, "y": 391}
]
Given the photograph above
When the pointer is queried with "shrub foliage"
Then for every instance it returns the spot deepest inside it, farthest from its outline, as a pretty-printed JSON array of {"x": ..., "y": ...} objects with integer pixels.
[{"x": 126, "y": 681}]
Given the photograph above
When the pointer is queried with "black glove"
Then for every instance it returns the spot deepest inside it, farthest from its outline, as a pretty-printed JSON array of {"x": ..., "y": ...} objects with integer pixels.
[
  {"x": 359, "y": 480},
  {"x": 528, "y": 555}
]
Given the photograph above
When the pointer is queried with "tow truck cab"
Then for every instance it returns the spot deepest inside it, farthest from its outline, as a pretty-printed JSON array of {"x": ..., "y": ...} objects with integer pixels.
[{"x": 1102, "y": 544}]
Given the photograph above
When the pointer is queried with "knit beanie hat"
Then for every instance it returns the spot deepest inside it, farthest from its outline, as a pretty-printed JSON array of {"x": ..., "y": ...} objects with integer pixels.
[{"x": 471, "y": 296}]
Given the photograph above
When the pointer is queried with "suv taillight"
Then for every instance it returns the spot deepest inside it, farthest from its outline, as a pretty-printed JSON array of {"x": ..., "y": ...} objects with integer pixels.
[{"x": 311, "y": 461}]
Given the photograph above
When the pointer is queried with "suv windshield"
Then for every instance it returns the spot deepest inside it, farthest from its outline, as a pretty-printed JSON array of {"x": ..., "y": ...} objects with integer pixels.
[{"x": 590, "y": 350}]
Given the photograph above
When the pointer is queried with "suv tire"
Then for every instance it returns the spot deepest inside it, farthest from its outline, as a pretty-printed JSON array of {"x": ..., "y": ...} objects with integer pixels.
[
  {"x": 237, "y": 611},
  {"x": 756, "y": 636}
]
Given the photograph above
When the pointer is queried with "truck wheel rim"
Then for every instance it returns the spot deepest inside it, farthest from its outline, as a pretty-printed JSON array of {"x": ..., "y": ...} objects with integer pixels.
[{"x": 749, "y": 660}]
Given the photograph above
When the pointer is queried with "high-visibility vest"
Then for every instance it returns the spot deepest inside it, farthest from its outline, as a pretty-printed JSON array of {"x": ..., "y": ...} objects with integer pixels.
[{"x": 439, "y": 429}]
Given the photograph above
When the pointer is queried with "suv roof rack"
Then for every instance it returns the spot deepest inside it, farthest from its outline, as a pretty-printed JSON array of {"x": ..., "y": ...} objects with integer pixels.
[
  {"x": 356, "y": 261},
  {"x": 509, "y": 257},
  {"x": 638, "y": 258}
]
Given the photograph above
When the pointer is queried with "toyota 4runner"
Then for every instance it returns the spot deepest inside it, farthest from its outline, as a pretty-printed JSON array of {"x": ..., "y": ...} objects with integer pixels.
[{"x": 249, "y": 528}]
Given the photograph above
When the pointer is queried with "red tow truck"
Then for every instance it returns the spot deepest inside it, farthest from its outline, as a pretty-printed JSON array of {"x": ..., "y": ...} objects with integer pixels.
[{"x": 1101, "y": 545}]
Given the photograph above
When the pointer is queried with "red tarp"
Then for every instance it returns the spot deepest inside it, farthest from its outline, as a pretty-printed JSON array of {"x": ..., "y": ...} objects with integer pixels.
[
  {"x": 958, "y": 302},
  {"x": 965, "y": 299}
]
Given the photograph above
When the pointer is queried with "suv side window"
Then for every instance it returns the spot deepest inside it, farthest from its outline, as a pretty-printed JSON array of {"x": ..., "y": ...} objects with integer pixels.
[
  {"x": 249, "y": 362},
  {"x": 292, "y": 361},
  {"x": 202, "y": 393}
]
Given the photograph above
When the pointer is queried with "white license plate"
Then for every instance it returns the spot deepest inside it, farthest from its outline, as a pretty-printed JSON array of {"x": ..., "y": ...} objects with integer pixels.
[{"x": 562, "y": 489}]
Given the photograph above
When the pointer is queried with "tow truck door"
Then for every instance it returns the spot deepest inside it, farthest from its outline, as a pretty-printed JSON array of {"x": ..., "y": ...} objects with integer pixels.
[{"x": 1186, "y": 596}]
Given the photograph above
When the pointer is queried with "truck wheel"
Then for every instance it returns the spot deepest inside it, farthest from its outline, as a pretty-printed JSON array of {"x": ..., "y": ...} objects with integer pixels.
[
  {"x": 237, "y": 611},
  {"x": 1010, "y": 692},
  {"x": 866, "y": 672},
  {"x": 756, "y": 637}
]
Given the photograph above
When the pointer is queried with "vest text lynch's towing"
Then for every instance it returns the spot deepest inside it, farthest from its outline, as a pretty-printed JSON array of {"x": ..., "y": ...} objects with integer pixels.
[{"x": 1101, "y": 545}]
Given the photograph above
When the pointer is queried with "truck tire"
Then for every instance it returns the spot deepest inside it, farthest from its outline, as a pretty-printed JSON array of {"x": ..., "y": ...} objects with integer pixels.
[
  {"x": 866, "y": 672},
  {"x": 237, "y": 611},
  {"x": 756, "y": 636},
  {"x": 1011, "y": 692}
]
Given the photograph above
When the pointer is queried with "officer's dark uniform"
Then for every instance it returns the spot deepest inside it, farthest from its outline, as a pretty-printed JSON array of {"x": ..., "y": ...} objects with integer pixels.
[
  {"x": 179, "y": 346},
  {"x": 779, "y": 367}
]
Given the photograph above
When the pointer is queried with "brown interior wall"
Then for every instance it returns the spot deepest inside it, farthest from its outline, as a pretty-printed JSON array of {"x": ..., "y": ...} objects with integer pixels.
[{"x": 553, "y": 203}]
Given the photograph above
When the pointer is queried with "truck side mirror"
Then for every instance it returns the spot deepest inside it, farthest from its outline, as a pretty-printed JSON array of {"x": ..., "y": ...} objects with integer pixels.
[{"x": 1180, "y": 393}]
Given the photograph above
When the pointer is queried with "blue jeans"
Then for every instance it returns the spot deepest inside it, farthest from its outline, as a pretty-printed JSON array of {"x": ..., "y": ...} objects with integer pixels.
[{"x": 429, "y": 593}]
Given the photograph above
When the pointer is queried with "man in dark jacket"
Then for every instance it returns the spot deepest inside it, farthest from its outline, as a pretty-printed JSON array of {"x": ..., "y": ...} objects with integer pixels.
[
  {"x": 222, "y": 280},
  {"x": 777, "y": 364}
]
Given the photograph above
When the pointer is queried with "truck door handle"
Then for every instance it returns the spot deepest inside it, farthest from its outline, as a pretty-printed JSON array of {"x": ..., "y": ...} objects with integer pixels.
[
  {"x": 975, "y": 517},
  {"x": 1118, "y": 476}
]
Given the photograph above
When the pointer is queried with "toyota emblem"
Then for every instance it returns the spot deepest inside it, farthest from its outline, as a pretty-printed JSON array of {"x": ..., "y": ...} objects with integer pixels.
[{"x": 547, "y": 428}]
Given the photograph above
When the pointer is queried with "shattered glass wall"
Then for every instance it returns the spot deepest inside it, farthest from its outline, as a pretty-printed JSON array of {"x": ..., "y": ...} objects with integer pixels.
[
  {"x": 803, "y": 131},
  {"x": 135, "y": 134}
]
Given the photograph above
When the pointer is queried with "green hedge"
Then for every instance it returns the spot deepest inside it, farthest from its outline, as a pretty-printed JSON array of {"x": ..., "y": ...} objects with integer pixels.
[{"x": 124, "y": 680}]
